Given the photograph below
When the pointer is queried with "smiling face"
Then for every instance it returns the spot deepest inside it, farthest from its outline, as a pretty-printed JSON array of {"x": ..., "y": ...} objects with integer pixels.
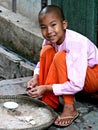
[{"x": 52, "y": 27}]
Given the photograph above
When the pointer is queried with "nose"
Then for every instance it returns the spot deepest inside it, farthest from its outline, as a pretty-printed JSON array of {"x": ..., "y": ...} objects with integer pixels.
[{"x": 49, "y": 30}]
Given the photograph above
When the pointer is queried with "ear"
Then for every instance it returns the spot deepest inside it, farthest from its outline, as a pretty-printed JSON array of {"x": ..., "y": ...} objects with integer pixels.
[{"x": 65, "y": 24}]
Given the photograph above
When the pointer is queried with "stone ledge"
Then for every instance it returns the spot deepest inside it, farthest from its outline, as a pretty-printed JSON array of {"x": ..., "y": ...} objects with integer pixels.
[
  {"x": 14, "y": 86},
  {"x": 13, "y": 66},
  {"x": 19, "y": 34}
]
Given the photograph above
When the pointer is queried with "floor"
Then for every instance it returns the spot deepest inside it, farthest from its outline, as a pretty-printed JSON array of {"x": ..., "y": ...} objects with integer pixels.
[{"x": 86, "y": 106}]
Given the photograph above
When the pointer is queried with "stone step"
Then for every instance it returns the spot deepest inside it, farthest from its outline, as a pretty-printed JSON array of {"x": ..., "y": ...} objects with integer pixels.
[
  {"x": 14, "y": 86},
  {"x": 19, "y": 34},
  {"x": 13, "y": 66}
]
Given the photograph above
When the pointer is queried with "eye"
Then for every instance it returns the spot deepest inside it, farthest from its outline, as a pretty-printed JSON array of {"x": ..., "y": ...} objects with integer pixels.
[
  {"x": 53, "y": 24},
  {"x": 43, "y": 27}
]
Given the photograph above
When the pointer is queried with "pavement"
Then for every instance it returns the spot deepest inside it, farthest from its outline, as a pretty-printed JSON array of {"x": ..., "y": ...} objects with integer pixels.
[{"x": 86, "y": 105}]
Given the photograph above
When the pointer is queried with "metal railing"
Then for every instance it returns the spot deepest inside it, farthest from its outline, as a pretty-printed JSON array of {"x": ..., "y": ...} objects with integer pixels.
[
  {"x": 43, "y": 3},
  {"x": 14, "y": 5}
]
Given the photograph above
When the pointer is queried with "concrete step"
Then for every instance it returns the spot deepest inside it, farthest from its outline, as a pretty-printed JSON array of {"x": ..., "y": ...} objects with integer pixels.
[
  {"x": 14, "y": 66},
  {"x": 18, "y": 33},
  {"x": 14, "y": 86}
]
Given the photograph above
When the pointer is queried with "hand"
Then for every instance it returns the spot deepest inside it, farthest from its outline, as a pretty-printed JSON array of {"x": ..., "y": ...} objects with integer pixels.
[
  {"x": 32, "y": 83},
  {"x": 38, "y": 91}
]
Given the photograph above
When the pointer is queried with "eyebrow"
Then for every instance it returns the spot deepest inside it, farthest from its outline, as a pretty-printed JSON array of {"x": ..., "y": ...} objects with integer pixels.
[
  {"x": 49, "y": 23},
  {"x": 53, "y": 21}
]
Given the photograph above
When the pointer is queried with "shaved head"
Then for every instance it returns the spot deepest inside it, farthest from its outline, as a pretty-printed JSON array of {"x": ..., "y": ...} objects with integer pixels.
[{"x": 52, "y": 9}]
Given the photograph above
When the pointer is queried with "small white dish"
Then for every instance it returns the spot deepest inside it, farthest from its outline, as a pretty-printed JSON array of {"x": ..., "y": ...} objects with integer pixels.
[{"x": 10, "y": 105}]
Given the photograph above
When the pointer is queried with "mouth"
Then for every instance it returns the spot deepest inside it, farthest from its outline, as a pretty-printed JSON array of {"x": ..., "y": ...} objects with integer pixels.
[{"x": 52, "y": 37}]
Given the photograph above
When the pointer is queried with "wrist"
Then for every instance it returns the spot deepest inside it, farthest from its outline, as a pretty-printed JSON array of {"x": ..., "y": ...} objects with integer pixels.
[
  {"x": 49, "y": 88},
  {"x": 36, "y": 76}
]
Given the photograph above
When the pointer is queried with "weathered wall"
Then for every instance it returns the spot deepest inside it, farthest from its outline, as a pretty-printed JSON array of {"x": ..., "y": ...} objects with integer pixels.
[
  {"x": 6, "y": 3},
  {"x": 28, "y": 8}
]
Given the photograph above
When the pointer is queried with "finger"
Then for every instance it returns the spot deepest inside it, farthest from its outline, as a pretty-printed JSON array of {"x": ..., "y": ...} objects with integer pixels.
[
  {"x": 27, "y": 89},
  {"x": 34, "y": 95},
  {"x": 32, "y": 91},
  {"x": 29, "y": 86}
]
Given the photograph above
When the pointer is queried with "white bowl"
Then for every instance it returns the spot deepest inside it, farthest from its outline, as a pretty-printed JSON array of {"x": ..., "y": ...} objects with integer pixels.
[{"x": 10, "y": 105}]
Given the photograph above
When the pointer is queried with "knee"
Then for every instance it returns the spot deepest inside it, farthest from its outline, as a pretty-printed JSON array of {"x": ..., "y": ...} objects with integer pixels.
[
  {"x": 59, "y": 56},
  {"x": 46, "y": 49}
]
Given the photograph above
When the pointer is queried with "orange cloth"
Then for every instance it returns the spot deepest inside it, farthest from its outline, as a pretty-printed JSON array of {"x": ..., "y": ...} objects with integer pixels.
[
  {"x": 91, "y": 81},
  {"x": 53, "y": 70}
]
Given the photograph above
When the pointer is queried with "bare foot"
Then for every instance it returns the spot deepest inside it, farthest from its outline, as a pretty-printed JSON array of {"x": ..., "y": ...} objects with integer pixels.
[{"x": 67, "y": 116}]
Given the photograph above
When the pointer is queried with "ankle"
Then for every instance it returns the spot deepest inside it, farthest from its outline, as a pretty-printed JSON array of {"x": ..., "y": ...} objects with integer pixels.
[{"x": 70, "y": 107}]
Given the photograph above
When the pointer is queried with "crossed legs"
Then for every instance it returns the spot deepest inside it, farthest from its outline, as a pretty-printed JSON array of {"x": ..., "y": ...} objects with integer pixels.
[{"x": 53, "y": 71}]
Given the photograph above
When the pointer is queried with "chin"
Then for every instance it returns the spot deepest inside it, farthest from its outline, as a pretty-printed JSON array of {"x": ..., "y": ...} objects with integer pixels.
[{"x": 53, "y": 42}]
